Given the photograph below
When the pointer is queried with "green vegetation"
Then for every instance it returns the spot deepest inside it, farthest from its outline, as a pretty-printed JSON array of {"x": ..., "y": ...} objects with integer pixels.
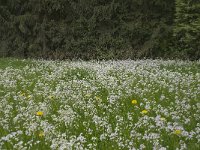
[
  {"x": 144, "y": 104},
  {"x": 85, "y": 29},
  {"x": 13, "y": 63},
  {"x": 187, "y": 28}
]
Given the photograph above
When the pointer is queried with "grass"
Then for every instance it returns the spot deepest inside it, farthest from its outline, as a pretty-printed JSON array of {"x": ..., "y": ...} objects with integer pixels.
[
  {"x": 88, "y": 105},
  {"x": 14, "y": 63}
]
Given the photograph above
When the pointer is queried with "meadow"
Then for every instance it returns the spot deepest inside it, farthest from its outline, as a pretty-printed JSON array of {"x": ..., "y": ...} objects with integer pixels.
[{"x": 104, "y": 105}]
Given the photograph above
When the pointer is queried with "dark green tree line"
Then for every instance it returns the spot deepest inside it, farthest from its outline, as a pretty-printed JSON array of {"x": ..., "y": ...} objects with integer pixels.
[
  {"x": 91, "y": 29},
  {"x": 187, "y": 28}
]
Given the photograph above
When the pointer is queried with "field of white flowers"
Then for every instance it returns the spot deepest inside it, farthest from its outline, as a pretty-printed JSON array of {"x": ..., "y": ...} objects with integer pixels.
[{"x": 105, "y": 105}]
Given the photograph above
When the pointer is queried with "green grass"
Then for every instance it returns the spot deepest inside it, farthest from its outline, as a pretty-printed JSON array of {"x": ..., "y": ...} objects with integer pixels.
[
  {"x": 88, "y": 104},
  {"x": 14, "y": 63}
]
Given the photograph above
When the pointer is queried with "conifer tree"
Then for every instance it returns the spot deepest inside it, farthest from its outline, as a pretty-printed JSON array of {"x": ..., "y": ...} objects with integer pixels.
[{"x": 187, "y": 28}]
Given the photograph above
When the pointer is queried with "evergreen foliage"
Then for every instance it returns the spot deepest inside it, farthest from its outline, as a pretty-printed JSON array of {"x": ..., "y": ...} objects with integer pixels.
[
  {"x": 91, "y": 29},
  {"x": 187, "y": 28}
]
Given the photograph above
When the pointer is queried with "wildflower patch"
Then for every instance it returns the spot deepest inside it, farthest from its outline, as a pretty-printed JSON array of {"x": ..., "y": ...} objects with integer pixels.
[{"x": 144, "y": 104}]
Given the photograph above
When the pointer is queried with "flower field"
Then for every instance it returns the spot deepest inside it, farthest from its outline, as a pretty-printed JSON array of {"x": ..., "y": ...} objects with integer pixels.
[{"x": 104, "y": 105}]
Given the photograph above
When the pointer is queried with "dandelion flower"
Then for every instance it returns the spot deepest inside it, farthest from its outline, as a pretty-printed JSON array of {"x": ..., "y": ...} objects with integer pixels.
[
  {"x": 23, "y": 94},
  {"x": 51, "y": 97},
  {"x": 162, "y": 119},
  {"x": 29, "y": 96},
  {"x": 134, "y": 102},
  {"x": 87, "y": 95},
  {"x": 40, "y": 113},
  {"x": 97, "y": 98},
  {"x": 144, "y": 112},
  {"x": 177, "y": 132},
  {"x": 41, "y": 134}
]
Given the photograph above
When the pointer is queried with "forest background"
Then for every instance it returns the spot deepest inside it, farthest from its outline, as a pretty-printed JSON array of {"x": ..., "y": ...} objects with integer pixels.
[{"x": 100, "y": 29}]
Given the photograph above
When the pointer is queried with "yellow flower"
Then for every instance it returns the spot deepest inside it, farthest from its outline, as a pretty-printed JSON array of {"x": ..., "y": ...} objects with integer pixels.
[
  {"x": 40, "y": 113},
  {"x": 162, "y": 119},
  {"x": 97, "y": 98},
  {"x": 144, "y": 112},
  {"x": 87, "y": 95},
  {"x": 23, "y": 94},
  {"x": 29, "y": 96},
  {"x": 177, "y": 132},
  {"x": 134, "y": 102},
  {"x": 51, "y": 97},
  {"x": 41, "y": 134}
]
